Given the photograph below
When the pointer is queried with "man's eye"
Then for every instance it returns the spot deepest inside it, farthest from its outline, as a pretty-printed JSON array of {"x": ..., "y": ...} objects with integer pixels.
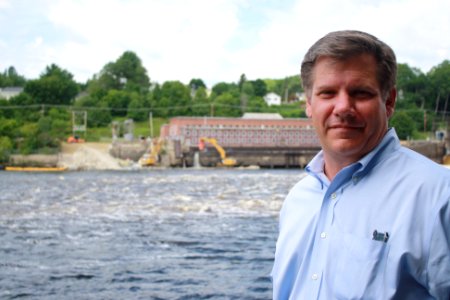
[
  {"x": 362, "y": 94},
  {"x": 326, "y": 94}
]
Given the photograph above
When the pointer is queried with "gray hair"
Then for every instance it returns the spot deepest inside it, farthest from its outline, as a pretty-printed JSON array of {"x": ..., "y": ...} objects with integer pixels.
[{"x": 342, "y": 45}]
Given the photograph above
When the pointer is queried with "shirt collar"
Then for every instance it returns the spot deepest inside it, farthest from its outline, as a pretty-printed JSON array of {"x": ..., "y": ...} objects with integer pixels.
[{"x": 389, "y": 142}]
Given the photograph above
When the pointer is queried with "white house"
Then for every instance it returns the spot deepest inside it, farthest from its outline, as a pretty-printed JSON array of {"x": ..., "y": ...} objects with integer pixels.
[
  {"x": 272, "y": 99},
  {"x": 9, "y": 92}
]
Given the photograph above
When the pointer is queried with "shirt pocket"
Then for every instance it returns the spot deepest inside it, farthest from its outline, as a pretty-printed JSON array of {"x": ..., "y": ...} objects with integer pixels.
[{"x": 359, "y": 267}]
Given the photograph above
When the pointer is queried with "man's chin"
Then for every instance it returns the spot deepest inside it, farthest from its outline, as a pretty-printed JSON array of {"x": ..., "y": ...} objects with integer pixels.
[
  {"x": 345, "y": 133},
  {"x": 349, "y": 146}
]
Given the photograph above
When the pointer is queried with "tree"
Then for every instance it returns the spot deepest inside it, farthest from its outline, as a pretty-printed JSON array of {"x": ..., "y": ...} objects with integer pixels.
[
  {"x": 201, "y": 106},
  {"x": 8, "y": 127},
  {"x": 130, "y": 72},
  {"x": 11, "y": 78},
  {"x": 55, "y": 86},
  {"x": 118, "y": 102},
  {"x": 257, "y": 104},
  {"x": 223, "y": 87},
  {"x": 440, "y": 81},
  {"x": 61, "y": 125},
  {"x": 126, "y": 73},
  {"x": 6, "y": 147},
  {"x": 31, "y": 114},
  {"x": 175, "y": 99},
  {"x": 404, "y": 125},
  {"x": 28, "y": 137},
  {"x": 242, "y": 81},
  {"x": 411, "y": 87},
  {"x": 196, "y": 83},
  {"x": 247, "y": 92},
  {"x": 138, "y": 108},
  {"x": 227, "y": 105},
  {"x": 99, "y": 114},
  {"x": 287, "y": 88},
  {"x": 259, "y": 86}
]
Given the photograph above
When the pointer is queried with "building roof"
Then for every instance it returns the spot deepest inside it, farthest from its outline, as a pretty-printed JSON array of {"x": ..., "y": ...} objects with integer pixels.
[{"x": 262, "y": 116}]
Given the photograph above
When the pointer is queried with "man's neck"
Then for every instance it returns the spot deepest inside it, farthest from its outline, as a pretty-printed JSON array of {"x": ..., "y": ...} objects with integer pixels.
[{"x": 333, "y": 165}]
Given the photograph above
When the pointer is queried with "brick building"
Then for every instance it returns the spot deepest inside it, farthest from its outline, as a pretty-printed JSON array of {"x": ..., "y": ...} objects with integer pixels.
[
  {"x": 256, "y": 139},
  {"x": 243, "y": 132}
]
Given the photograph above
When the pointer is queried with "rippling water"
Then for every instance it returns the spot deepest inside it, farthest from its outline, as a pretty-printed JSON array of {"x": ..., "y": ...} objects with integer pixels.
[{"x": 153, "y": 234}]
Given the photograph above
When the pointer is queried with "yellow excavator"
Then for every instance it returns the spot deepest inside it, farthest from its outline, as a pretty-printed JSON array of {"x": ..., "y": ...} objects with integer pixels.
[
  {"x": 225, "y": 161},
  {"x": 151, "y": 158}
]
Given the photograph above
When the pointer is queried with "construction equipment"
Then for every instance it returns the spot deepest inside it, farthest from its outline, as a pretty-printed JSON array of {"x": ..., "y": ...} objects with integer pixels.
[
  {"x": 152, "y": 157},
  {"x": 225, "y": 161}
]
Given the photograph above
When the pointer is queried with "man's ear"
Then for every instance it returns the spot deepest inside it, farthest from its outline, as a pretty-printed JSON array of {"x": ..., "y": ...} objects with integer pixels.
[
  {"x": 390, "y": 102},
  {"x": 308, "y": 108}
]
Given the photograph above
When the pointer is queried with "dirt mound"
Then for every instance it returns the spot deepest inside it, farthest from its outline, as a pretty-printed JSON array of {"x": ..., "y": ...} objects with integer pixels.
[{"x": 87, "y": 156}]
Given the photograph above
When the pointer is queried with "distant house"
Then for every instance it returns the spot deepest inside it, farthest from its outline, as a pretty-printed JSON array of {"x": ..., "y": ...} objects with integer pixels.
[
  {"x": 9, "y": 92},
  {"x": 272, "y": 99}
]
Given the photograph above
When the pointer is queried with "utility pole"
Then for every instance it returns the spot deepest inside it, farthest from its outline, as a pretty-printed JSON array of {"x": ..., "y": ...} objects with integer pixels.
[{"x": 150, "y": 117}]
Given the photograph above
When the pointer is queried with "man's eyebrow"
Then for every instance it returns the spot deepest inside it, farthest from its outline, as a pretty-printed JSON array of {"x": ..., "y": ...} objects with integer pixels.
[{"x": 324, "y": 87}]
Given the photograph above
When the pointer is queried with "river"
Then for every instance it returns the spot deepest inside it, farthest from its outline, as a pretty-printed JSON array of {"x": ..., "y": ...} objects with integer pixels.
[{"x": 147, "y": 234}]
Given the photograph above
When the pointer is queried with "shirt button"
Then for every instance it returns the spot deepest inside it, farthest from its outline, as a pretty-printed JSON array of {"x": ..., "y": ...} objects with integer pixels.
[
  {"x": 314, "y": 276},
  {"x": 323, "y": 235},
  {"x": 333, "y": 196}
]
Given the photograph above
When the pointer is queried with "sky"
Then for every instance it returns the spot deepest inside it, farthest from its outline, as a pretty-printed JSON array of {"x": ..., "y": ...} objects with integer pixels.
[{"x": 214, "y": 40}]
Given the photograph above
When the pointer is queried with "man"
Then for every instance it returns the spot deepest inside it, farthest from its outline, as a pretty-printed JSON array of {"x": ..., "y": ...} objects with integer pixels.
[{"x": 371, "y": 219}]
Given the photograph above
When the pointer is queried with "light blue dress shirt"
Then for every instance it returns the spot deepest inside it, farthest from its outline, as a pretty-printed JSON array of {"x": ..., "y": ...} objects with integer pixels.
[{"x": 328, "y": 248}]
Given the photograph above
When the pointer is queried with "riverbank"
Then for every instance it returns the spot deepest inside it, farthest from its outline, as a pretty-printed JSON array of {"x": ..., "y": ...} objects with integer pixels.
[
  {"x": 102, "y": 156},
  {"x": 75, "y": 157}
]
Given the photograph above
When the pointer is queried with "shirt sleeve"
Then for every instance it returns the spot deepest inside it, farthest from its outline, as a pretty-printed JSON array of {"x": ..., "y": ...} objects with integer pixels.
[{"x": 439, "y": 255}]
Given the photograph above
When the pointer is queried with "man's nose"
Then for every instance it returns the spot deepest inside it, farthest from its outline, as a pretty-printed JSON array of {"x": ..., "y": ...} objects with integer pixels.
[{"x": 343, "y": 104}]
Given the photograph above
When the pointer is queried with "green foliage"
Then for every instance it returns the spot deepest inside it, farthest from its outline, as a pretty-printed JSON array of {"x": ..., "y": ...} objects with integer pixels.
[
  {"x": 291, "y": 110},
  {"x": 201, "y": 106},
  {"x": 226, "y": 105},
  {"x": 223, "y": 87},
  {"x": 4, "y": 111},
  {"x": 8, "y": 127},
  {"x": 242, "y": 81},
  {"x": 129, "y": 67},
  {"x": 256, "y": 104},
  {"x": 117, "y": 101},
  {"x": 55, "y": 86},
  {"x": 287, "y": 88},
  {"x": 259, "y": 88},
  {"x": 440, "y": 81},
  {"x": 196, "y": 83},
  {"x": 126, "y": 73},
  {"x": 98, "y": 112},
  {"x": 28, "y": 140},
  {"x": 138, "y": 109},
  {"x": 32, "y": 111},
  {"x": 10, "y": 78},
  {"x": 175, "y": 99},
  {"x": 412, "y": 87},
  {"x": 404, "y": 125},
  {"x": 122, "y": 89},
  {"x": 6, "y": 147}
]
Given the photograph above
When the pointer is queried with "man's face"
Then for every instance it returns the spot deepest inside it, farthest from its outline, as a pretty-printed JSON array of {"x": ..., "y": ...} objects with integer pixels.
[{"x": 346, "y": 106}]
